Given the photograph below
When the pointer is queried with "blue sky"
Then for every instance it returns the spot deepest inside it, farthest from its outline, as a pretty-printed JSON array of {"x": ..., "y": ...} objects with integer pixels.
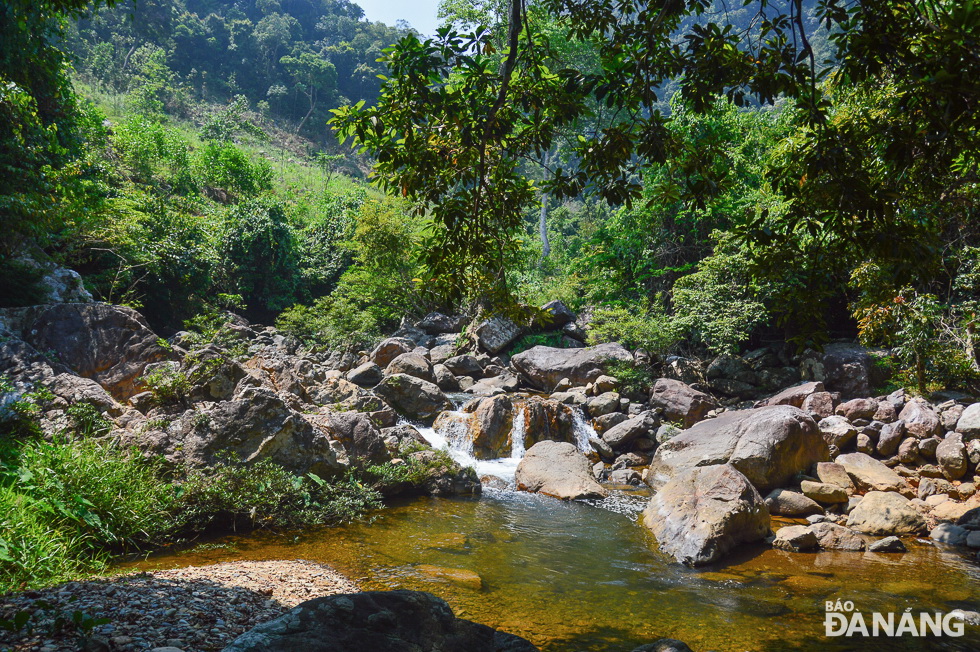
[{"x": 421, "y": 14}]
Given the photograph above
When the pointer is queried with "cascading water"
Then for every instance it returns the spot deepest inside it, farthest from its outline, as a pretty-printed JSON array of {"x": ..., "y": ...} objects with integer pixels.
[{"x": 453, "y": 437}]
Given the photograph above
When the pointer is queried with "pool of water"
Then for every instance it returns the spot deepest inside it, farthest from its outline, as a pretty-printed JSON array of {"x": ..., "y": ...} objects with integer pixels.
[{"x": 586, "y": 576}]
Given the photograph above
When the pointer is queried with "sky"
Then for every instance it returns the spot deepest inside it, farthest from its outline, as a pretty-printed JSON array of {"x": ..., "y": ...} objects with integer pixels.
[{"x": 421, "y": 14}]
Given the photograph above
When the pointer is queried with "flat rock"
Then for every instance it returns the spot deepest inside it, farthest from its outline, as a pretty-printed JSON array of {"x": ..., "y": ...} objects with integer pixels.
[
  {"x": 680, "y": 402},
  {"x": 871, "y": 475},
  {"x": 783, "y": 502},
  {"x": 832, "y": 536},
  {"x": 557, "y": 469},
  {"x": 824, "y": 493},
  {"x": 886, "y": 513},
  {"x": 888, "y": 544},
  {"x": 794, "y": 538},
  {"x": 545, "y": 366}
]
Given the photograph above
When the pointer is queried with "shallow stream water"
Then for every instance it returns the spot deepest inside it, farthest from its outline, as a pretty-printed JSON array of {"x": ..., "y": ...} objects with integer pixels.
[{"x": 574, "y": 576}]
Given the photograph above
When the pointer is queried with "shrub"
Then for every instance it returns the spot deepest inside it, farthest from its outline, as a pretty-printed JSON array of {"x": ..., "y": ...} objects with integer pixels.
[
  {"x": 223, "y": 165},
  {"x": 635, "y": 328}
]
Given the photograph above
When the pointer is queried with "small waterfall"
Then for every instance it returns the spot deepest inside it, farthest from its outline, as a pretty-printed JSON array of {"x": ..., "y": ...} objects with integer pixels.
[
  {"x": 517, "y": 433},
  {"x": 582, "y": 429}
]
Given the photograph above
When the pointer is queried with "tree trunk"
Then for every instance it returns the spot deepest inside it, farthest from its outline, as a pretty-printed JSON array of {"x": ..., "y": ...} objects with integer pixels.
[{"x": 543, "y": 220}]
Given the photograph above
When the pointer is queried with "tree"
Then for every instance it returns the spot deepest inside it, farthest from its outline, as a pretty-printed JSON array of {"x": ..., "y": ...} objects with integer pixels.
[{"x": 313, "y": 75}]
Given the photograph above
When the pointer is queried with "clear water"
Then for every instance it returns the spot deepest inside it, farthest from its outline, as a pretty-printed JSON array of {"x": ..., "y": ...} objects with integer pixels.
[{"x": 586, "y": 576}]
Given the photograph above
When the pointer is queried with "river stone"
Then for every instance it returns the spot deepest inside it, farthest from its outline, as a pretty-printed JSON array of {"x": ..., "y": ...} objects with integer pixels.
[
  {"x": 821, "y": 492},
  {"x": 413, "y": 397},
  {"x": 794, "y": 538},
  {"x": 368, "y": 374},
  {"x": 703, "y": 512},
  {"x": 557, "y": 314},
  {"x": 831, "y": 536},
  {"x": 783, "y": 502},
  {"x": 951, "y": 456},
  {"x": 389, "y": 349},
  {"x": 834, "y": 474},
  {"x": 436, "y": 323},
  {"x": 857, "y": 408},
  {"x": 843, "y": 368},
  {"x": 545, "y": 366},
  {"x": 837, "y": 431},
  {"x": 607, "y": 421},
  {"x": 886, "y": 512},
  {"x": 871, "y": 475},
  {"x": 545, "y": 419},
  {"x": 464, "y": 365},
  {"x": 411, "y": 364},
  {"x": 359, "y": 436},
  {"x": 373, "y": 621},
  {"x": 605, "y": 403},
  {"x": 444, "y": 379},
  {"x": 950, "y": 534},
  {"x": 768, "y": 445},
  {"x": 888, "y": 544},
  {"x": 969, "y": 422},
  {"x": 819, "y": 405},
  {"x": 623, "y": 434},
  {"x": 490, "y": 427},
  {"x": 495, "y": 334},
  {"x": 890, "y": 437},
  {"x": 794, "y": 395},
  {"x": 680, "y": 402},
  {"x": 928, "y": 447},
  {"x": 921, "y": 419},
  {"x": 108, "y": 344},
  {"x": 557, "y": 469}
]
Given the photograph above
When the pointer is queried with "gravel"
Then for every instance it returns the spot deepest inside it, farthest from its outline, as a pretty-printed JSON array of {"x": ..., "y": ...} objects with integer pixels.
[{"x": 195, "y": 608}]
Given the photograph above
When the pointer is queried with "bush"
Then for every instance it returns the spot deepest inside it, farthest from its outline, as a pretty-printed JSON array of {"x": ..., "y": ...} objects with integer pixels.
[
  {"x": 223, "y": 165},
  {"x": 635, "y": 328}
]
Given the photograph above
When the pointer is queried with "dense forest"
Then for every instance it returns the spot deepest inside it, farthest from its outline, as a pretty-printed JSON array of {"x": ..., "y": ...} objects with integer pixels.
[{"x": 700, "y": 179}]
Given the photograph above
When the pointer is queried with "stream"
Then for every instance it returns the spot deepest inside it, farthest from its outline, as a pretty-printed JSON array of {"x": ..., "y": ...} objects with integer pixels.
[{"x": 585, "y": 575}]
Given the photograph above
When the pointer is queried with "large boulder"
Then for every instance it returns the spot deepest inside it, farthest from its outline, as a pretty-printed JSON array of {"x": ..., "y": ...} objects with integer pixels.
[
  {"x": 373, "y": 621},
  {"x": 366, "y": 375},
  {"x": 557, "y": 314},
  {"x": 871, "y": 475},
  {"x": 413, "y": 397},
  {"x": 557, "y": 469},
  {"x": 495, "y": 334},
  {"x": 768, "y": 445},
  {"x": 794, "y": 395},
  {"x": 951, "y": 456},
  {"x": 921, "y": 419},
  {"x": 884, "y": 513},
  {"x": 544, "y": 419},
  {"x": 256, "y": 425},
  {"x": 435, "y": 323},
  {"x": 360, "y": 437},
  {"x": 704, "y": 512},
  {"x": 680, "y": 402},
  {"x": 545, "y": 366},
  {"x": 623, "y": 434},
  {"x": 842, "y": 367},
  {"x": 109, "y": 344},
  {"x": 783, "y": 502},
  {"x": 486, "y": 423},
  {"x": 389, "y": 349},
  {"x": 968, "y": 424},
  {"x": 831, "y": 536},
  {"x": 411, "y": 364}
]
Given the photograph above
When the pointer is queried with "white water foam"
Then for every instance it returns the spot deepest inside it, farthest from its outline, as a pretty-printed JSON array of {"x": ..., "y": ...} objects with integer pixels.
[{"x": 583, "y": 430}]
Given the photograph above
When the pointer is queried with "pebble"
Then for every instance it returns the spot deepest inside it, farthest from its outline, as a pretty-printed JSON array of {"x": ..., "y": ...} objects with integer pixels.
[{"x": 216, "y": 603}]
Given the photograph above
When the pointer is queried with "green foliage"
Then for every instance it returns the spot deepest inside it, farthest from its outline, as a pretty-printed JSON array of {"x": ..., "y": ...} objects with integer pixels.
[
  {"x": 634, "y": 379},
  {"x": 20, "y": 284},
  {"x": 168, "y": 385},
  {"x": 720, "y": 304},
  {"x": 264, "y": 494},
  {"x": 223, "y": 165},
  {"x": 634, "y": 327},
  {"x": 413, "y": 472},
  {"x": 154, "y": 152}
]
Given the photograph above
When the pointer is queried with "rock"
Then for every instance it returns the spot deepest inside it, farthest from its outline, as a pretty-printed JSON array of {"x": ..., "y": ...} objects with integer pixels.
[
  {"x": 680, "y": 402},
  {"x": 411, "y": 364},
  {"x": 890, "y": 437},
  {"x": 360, "y": 437},
  {"x": 819, "y": 405},
  {"x": 929, "y": 446},
  {"x": 413, "y": 397},
  {"x": 968, "y": 424},
  {"x": 950, "y": 534},
  {"x": 886, "y": 412},
  {"x": 782, "y": 502},
  {"x": 389, "y": 349},
  {"x": 368, "y": 374},
  {"x": 605, "y": 403},
  {"x": 557, "y": 314},
  {"x": 373, "y": 621},
  {"x": 950, "y": 416},
  {"x": 888, "y": 544},
  {"x": 495, "y": 334},
  {"x": 445, "y": 379},
  {"x": 794, "y": 538},
  {"x": 973, "y": 539},
  {"x": 951, "y": 456},
  {"x": 869, "y": 474},
  {"x": 395, "y": 437},
  {"x": 664, "y": 645},
  {"x": 557, "y": 469},
  {"x": 544, "y": 366},
  {"x": 834, "y": 474},
  {"x": 488, "y": 426},
  {"x": 768, "y": 445},
  {"x": 607, "y": 421},
  {"x": 885, "y": 512},
  {"x": 837, "y": 431},
  {"x": 921, "y": 420},
  {"x": 108, "y": 344},
  {"x": 831, "y": 536},
  {"x": 703, "y": 512},
  {"x": 625, "y": 477},
  {"x": 625, "y": 433},
  {"x": 864, "y": 444},
  {"x": 858, "y": 408},
  {"x": 255, "y": 426},
  {"x": 820, "y": 492},
  {"x": 464, "y": 365},
  {"x": 445, "y": 477},
  {"x": 843, "y": 367},
  {"x": 794, "y": 396},
  {"x": 908, "y": 450},
  {"x": 74, "y": 389},
  {"x": 544, "y": 420},
  {"x": 436, "y": 323}
]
